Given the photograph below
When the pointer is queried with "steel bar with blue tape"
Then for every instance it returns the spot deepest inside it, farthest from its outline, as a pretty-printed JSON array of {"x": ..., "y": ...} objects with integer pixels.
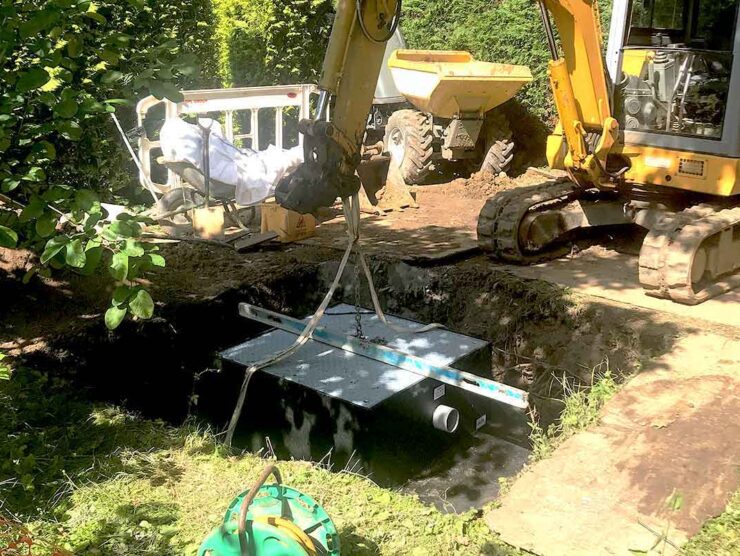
[{"x": 467, "y": 381}]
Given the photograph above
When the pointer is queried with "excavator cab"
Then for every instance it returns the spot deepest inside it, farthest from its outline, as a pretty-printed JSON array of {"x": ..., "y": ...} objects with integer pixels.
[{"x": 677, "y": 60}]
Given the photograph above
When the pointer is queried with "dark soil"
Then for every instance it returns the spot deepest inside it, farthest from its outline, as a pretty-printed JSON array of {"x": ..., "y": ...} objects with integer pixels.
[{"x": 541, "y": 335}]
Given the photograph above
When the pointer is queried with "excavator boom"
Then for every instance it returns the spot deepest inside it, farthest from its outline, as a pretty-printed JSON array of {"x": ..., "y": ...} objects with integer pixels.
[
  {"x": 352, "y": 64},
  {"x": 579, "y": 28},
  {"x": 349, "y": 74}
]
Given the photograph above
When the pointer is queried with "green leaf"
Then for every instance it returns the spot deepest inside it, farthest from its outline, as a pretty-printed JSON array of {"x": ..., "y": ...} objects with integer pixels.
[
  {"x": 142, "y": 305},
  {"x": 133, "y": 248},
  {"x": 33, "y": 209},
  {"x": 74, "y": 47},
  {"x": 34, "y": 78},
  {"x": 8, "y": 237},
  {"x": 9, "y": 184},
  {"x": 109, "y": 56},
  {"x": 110, "y": 77},
  {"x": 93, "y": 255},
  {"x": 35, "y": 174},
  {"x": 57, "y": 193},
  {"x": 42, "y": 20},
  {"x": 114, "y": 316},
  {"x": 87, "y": 200},
  {"x": 123, "y": 228},
  {"x": 675, "y": 501},
  {"x": 156, "y": 260},
  {"x": 46, "y": 149},
  {"x": 30, "y": 274},
  {"x": 121, "y": 295},
  {"x": 53, "y": 246},
  {"x": 75, "y": 256},
  {"x": 119, "y": 266},
  {"x": 165, "y": 89},
  {"x": 118, "y": 102},
  {"x": 69, "y": 129},
  {"x": 96, "y": 17},
  {"x": 66, "y": 108},
  {"x": 46, "y": 225}
]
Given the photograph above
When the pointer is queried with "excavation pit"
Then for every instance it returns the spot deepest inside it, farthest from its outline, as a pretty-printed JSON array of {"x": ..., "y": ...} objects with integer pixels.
[
  {"x": 540, "y": 335},
  {"x": 398, "y": 427}
]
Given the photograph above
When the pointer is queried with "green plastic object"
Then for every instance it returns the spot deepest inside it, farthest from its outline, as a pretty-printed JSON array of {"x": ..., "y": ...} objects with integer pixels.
[{"x": 279, "y": 522}]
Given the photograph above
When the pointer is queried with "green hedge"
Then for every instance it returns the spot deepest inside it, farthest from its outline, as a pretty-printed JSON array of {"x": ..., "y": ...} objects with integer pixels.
[
  {"x": 507, "y": 31},
  {"x": 270, "y": 42}
]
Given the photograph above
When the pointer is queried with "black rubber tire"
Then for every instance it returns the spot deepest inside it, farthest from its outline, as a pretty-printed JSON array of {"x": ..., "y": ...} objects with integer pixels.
[
  {"x": 499, "y": 147},
  {"x": 416, "y": 133},
  {"x": 178, "y": 198}
]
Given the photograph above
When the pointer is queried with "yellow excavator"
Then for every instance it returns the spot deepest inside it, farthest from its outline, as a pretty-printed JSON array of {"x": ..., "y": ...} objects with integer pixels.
[{"x": 649, "y": 134}]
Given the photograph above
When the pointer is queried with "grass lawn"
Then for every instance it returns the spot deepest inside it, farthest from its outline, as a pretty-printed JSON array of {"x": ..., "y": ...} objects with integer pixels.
[
  {"x": 86, "y": 479},
  {"x": 92, "y": 479}
]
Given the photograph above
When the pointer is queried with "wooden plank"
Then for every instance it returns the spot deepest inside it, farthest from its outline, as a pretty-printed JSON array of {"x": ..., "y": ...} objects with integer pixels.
[{"x": 255, "y": 239}]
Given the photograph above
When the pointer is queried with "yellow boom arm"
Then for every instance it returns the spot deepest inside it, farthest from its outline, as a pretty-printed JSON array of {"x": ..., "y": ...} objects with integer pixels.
[
  {"x": 350, "y": 72},
  {"x": 578, "y": 81}
]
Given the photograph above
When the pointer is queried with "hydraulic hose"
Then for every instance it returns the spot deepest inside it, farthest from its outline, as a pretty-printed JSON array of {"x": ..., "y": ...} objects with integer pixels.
[
  {"x": 248, "y": 499},
  {"x": 368, "y": 35}
]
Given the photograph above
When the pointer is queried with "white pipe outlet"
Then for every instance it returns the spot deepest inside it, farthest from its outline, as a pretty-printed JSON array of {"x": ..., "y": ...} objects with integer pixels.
[{"x": 446, "y": 418}]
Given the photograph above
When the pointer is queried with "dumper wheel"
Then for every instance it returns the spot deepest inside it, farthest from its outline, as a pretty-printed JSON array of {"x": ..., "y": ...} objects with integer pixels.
[
  {"x": 408, "y": 139},
  {"x": 499, "y": 147}
]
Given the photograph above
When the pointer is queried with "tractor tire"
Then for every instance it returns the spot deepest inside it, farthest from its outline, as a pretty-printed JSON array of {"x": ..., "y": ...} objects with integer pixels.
[
  {"x": 499, "y": 147},
  {"x": 409, "y": 139}
]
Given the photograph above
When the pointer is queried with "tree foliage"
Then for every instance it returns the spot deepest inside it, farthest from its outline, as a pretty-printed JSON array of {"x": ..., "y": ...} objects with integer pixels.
[
  {"x": 271, "y": 42},
  {"x": 64, "y": 66},
  {"x": 506, "y": 31}
]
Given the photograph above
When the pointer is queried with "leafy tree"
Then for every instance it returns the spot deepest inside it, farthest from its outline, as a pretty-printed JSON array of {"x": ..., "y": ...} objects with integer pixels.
[
  {"x": 64, "y": 66},
  {"x": 271, "y": 42}
]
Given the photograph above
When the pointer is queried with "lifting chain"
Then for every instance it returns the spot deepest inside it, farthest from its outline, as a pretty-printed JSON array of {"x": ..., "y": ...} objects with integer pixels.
[{"x": 359, "y": 334}]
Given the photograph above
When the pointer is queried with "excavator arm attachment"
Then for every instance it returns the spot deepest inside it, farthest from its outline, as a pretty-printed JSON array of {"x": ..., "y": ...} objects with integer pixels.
[
  {"x": 579, "y": 85},
  {"x": 332, "y": 144}
]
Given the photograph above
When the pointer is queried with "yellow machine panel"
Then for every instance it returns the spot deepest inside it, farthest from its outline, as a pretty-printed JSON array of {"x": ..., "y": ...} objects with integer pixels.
[
  {"x": 634, "y": 62},
  {"x": 714, "y": 175}
]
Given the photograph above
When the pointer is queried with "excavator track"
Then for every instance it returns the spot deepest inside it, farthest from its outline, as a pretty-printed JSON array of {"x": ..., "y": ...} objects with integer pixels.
[
  {"x": 501, "y": 217},
  {"x": 692, "y": 255}
]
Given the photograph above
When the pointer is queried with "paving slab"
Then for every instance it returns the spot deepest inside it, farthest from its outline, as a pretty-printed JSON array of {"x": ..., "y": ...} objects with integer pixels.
[{"x": 673, "y": 428}]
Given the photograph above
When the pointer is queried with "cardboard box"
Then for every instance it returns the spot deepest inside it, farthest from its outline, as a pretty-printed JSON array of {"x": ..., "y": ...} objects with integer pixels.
[{"x": 289, "y": 225}]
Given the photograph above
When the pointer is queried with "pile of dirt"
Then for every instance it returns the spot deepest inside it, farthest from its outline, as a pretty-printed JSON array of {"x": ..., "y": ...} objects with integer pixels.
[
  {"x": 482, "y": 185},
  {"x": 36, "y": 312}
]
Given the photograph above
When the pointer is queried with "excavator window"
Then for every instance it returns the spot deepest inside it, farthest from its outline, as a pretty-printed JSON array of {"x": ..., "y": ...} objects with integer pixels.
[
  {"x": 676, "y": 65},
  {"x": 658, "y": 14}
]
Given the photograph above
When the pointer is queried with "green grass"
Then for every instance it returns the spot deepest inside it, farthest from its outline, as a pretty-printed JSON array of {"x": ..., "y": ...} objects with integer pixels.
[
  {"x": 719, "y": 536},
  {"x": 96, "y": 480},
  {"x": 580, "y": 410}
]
